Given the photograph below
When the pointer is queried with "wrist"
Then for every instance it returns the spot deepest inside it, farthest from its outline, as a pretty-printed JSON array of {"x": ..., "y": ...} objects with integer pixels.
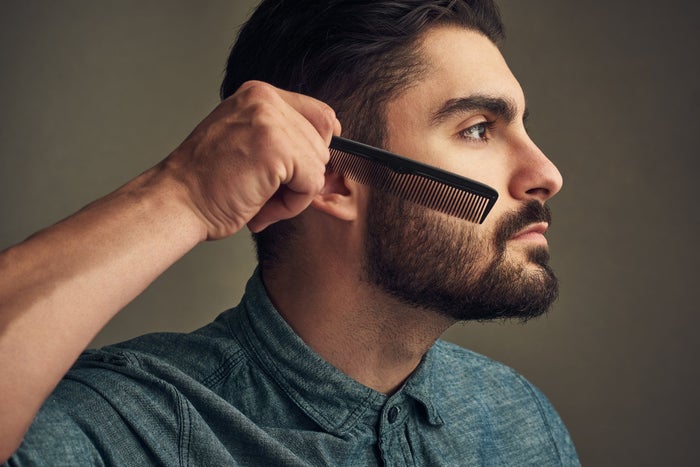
[{"x": 166, "y": 197}]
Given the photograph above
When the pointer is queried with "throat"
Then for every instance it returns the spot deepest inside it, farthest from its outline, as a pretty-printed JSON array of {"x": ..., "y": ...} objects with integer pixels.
[
  {"x": 360, "y": 330},
  {"x": 379, "y": 352}
]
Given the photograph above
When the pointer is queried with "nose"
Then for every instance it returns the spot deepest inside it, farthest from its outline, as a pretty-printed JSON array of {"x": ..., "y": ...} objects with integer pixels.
[{"x": 534, "y": 175}]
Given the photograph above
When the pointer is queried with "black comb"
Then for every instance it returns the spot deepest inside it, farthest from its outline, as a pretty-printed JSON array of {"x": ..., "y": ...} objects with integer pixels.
[{"x": 419, "y": 183}]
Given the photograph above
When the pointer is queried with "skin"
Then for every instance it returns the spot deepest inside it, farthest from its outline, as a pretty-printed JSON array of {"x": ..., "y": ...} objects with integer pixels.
[{"x": 257, "y": 158}]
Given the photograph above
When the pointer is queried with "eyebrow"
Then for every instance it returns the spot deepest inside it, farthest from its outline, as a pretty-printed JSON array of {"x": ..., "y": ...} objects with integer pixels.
[{"x": 501, "y": 108}]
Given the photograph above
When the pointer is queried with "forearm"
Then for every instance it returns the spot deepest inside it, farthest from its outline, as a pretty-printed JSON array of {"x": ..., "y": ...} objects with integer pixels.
[
  {"x": 259, "y": 157},
  {"x": 62, "y": 285}
]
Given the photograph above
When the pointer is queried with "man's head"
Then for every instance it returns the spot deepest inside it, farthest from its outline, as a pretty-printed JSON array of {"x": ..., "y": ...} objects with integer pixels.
[
  {"x": 355, "y": 55},
  {"x": 426, "y": 80}
]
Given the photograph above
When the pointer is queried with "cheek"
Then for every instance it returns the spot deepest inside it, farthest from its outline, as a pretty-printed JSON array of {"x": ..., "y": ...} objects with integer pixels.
[
  {"x": 475, "y": 241},
  {"x": 486, "y": 232}
]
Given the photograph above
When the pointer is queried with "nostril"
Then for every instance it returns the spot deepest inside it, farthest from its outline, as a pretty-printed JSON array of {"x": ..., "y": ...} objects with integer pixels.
[{"x": 541, "y": 193}]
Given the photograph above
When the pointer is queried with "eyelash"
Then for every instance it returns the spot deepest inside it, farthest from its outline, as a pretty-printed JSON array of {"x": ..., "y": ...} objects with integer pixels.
[{"x": 486, "y": 125}]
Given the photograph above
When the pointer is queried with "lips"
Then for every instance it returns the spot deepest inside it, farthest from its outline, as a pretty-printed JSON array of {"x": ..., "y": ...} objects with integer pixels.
[
  {"x": 531, "y": 221},
  {"x": 536, "y": 230}
]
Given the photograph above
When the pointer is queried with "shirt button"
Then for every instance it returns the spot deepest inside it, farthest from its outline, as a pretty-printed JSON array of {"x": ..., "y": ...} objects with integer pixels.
[{"x": 393, "y": 414}]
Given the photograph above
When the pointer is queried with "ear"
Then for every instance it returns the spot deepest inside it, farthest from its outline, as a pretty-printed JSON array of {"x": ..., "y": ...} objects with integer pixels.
[{"x": 338, "y": 197}]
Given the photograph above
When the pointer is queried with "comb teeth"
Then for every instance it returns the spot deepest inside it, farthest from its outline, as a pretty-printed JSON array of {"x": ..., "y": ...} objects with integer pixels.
[{"x": 457, "y": 197}]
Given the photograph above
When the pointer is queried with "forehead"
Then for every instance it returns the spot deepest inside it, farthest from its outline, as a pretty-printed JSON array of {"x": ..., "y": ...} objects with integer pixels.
[{"x": 458, "y": 63}]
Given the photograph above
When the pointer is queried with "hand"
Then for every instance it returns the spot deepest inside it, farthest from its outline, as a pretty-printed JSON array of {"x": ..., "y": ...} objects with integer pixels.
[{"x": 258, "y": 158}]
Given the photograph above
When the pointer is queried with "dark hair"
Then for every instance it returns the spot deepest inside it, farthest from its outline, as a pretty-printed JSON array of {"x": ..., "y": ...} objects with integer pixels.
[{"x": 355, "y": 55}]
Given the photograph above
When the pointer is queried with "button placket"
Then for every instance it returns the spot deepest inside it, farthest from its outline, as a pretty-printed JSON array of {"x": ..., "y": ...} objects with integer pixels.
[{"x": 394, "y": 446}]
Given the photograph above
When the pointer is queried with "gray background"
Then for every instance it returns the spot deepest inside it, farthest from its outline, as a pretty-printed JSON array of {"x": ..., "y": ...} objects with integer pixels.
[{"x": 92, "y": 93}]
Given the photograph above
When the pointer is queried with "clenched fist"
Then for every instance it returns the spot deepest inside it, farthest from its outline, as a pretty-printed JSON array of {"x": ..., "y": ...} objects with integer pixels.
[{"x": 258, "y": 158}]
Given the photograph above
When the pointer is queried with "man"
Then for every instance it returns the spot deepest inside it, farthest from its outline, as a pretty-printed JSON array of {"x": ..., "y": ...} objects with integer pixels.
[{"x": 331, "y": 358}]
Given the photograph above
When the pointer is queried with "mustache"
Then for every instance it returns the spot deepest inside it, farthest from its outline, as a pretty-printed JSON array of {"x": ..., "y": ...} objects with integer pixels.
[{"x": 514, "y": 222}]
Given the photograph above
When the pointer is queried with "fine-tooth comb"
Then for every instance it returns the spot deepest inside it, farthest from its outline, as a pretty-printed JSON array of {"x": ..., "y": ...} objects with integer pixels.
[{"x": 419, "y": 183}]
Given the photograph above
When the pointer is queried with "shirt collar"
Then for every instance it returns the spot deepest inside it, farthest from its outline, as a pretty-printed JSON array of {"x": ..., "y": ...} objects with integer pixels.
[
  {"x": 421, "y": 386},
  {"x": 332, "y": 399}
]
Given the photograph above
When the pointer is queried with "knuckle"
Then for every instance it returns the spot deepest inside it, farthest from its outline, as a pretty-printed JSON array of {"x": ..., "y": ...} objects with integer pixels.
[
  {"x": 327, "y": 120},
  {"x": 258, "y": 90},
  {"x": 262, "y": 114},
  {"x": 323, "y": 156}
]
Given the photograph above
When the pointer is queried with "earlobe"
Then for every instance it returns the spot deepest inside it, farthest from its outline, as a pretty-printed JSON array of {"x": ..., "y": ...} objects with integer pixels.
[{"x": 338, "y": 198}]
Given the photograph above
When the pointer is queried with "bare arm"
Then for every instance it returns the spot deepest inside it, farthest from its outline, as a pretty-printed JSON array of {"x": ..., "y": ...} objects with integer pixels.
[{"x": 257, "y": 158}]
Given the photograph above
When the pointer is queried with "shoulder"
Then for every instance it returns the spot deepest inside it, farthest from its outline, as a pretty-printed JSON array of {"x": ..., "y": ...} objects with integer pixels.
[
  {"x": 199, "y": 355},
  {"x": 506, "y": 405},
  {"x": 477, "y": 376},
  {"x": 466, "y": 366},
  {"x": 133, "y": 391}
]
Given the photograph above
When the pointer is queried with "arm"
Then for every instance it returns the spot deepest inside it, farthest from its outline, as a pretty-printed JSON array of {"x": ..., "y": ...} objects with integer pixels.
[{"x": 257, "y": 158}]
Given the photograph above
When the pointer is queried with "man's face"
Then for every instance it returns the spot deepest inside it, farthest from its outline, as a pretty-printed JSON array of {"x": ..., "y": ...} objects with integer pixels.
[{"x": 466, "y": 115}]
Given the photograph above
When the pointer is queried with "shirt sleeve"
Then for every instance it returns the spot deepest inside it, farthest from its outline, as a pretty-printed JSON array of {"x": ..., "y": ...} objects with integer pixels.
[
  {"x": 55, "y": 438},
  {"x": 105, "y": 411}
]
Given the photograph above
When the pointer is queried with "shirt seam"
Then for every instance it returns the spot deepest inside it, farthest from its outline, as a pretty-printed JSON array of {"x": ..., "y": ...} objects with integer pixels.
[
  {"x": 185, "y": 435},
  {"x": 224, "y": 369}
]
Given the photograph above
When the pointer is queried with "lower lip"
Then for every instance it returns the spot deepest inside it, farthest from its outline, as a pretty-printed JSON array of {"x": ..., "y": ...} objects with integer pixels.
[{"x": 533, "y": 237}]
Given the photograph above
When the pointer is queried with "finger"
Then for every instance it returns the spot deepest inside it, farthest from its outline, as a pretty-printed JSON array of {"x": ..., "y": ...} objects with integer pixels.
[
  {"x": 308, "y": 177},
  {"x": 284, "y": 205},
  {"x": 293, "y": 197}
]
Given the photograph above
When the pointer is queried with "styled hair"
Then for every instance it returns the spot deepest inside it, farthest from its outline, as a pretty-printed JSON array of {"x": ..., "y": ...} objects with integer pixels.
[{"x": 354, "y": 55}]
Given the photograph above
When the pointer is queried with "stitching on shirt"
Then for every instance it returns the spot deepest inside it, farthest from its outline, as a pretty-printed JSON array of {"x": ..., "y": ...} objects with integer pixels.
[
  {"x": 224, "y": 369},
  {"x": 352, "y": 419},
  {"x": 185, "y": 424}
]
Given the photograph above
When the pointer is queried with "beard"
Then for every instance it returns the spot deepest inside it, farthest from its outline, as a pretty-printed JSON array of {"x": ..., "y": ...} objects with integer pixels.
[{"x": 428, "y": 260}]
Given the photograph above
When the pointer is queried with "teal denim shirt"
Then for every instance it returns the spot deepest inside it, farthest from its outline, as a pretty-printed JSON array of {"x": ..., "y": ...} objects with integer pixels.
[{"x": 246, "y": 390}]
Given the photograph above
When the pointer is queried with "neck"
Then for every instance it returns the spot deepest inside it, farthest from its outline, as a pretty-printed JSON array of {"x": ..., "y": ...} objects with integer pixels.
[{"x": 360, "y": 330}]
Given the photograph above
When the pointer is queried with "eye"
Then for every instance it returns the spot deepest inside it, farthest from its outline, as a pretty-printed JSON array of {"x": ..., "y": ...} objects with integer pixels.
[{"x": 476, "y": 132}]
